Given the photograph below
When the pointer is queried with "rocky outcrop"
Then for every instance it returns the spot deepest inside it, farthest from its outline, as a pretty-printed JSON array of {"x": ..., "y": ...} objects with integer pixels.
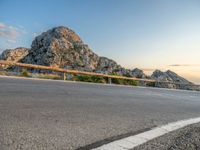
[
  {"x": 176, "y": 78},
  {"x": 61, "y": 47},
  {"x": 14, "y": 54},
  {"x": 106, "y": 65},
  {"x": 172, "y": 80},
  {"x": 168, "y": 76},
  {"x": 138, "y": 73}
]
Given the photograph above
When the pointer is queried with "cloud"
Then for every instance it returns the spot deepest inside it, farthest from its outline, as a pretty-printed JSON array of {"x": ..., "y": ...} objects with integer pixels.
[
  {"x": 184, "y": 65},
  {"x": 9, "y": 32},
  {"x": 35, "y": 34},
  {"x": 11, "y": 41},
  {"x": 2, "y": 25}
]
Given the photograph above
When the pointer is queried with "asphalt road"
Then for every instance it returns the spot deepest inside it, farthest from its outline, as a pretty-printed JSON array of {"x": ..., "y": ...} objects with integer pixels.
[{"x": 39, "y": 114}]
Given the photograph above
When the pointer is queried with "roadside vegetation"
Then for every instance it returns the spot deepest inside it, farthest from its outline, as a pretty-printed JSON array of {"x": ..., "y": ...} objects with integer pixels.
[
  {"x": 81, "y": 78},
  {"x": 25, "y": 73},
  {"x": 93, "y": 79},
  {"x": 47, "y": 76},
  {"x": 4, "y": 73},
  {"x": 125, "y": 82}
]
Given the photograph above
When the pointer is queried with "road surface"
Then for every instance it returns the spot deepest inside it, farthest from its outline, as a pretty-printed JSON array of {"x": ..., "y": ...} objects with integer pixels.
[{"x": 45, "y": 114}]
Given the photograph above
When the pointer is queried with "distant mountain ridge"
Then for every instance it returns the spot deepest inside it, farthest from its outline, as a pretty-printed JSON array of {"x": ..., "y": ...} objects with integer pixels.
[{"x": 62, "y": 47}]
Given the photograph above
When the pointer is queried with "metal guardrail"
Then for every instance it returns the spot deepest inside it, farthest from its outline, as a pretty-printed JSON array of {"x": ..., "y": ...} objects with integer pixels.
[{"x": 4, "y": 63}]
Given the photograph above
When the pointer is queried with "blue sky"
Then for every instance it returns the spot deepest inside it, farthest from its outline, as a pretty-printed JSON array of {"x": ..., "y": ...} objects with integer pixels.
[{"x": 148, "y": 34}]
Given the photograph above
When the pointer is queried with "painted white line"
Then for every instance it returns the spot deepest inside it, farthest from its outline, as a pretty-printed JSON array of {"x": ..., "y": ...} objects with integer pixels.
[{"x": 136, "y": 140}]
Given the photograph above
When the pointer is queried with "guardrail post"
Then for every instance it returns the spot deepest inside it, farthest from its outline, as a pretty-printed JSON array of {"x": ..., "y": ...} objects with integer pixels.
[
  {"x": 18, "y": 70},
  {"x": 109, "y": 80},
  {"x": 64, "y": 76}
]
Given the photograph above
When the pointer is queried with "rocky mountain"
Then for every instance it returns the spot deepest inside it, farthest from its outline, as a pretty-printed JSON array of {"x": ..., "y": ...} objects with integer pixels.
[
  {"x": 172, "y": 80},
  {"x": 14, "y": 54},
  {"x": 61, "y": 47},
  {"x": 138, "y": 73},
  {"x": 168, "y": 76}
]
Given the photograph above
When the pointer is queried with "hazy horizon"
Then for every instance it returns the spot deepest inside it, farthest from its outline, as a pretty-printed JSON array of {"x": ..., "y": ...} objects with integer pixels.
[{"x": 144, "y": 34}]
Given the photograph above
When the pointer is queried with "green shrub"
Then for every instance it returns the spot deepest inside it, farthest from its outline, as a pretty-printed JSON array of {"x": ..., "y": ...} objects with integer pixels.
[
  {"x": 95, "y": 79},
  {"x": 24, "y": 73},
  {"x": 125, "y": 82},
  {"x": 132, "y": 82},
  {"x": 85, "y": 78}
]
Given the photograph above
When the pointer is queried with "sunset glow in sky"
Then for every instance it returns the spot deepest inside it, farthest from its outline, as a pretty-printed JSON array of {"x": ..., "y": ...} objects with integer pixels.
[{"x": 148, "y": 34}]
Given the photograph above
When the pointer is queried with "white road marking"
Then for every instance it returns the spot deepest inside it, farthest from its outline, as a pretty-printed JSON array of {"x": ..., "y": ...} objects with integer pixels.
[{"x": 136, "y": 140}]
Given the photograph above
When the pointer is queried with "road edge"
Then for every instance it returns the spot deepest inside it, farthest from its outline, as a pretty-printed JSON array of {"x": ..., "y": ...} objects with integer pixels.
[
  {"x": 102, "y": 84},
  {"x": 139, "y": 139}
]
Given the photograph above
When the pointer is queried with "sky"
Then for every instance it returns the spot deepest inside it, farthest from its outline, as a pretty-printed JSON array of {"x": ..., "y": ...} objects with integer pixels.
[{"x": 147, "y": 34}]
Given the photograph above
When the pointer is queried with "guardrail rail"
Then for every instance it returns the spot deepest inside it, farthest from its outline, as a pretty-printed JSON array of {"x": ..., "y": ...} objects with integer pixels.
[{"x": 64, "y": 71}]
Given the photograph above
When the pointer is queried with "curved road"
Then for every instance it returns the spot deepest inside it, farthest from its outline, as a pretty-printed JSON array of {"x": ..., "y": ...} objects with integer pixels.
[{"x": 45, "y": 114}]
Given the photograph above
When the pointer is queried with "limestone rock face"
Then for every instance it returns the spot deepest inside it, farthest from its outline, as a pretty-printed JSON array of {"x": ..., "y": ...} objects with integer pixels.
[
  {"x": 176, "y": 78},
  {"x": 14, "y": 54},
  {"x": 161, "y": 76},
  {"x": 172, "y": 80},
  {"x": 138, "y": 73},
  {"x": 61, "y": 47},
  {"x": 168, "y": 76},
  {"x": 106, "y": 65}
]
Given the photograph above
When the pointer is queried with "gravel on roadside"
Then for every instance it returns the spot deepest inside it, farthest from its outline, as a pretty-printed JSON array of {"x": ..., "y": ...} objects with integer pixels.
[{"x": 187, "y": 138}]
